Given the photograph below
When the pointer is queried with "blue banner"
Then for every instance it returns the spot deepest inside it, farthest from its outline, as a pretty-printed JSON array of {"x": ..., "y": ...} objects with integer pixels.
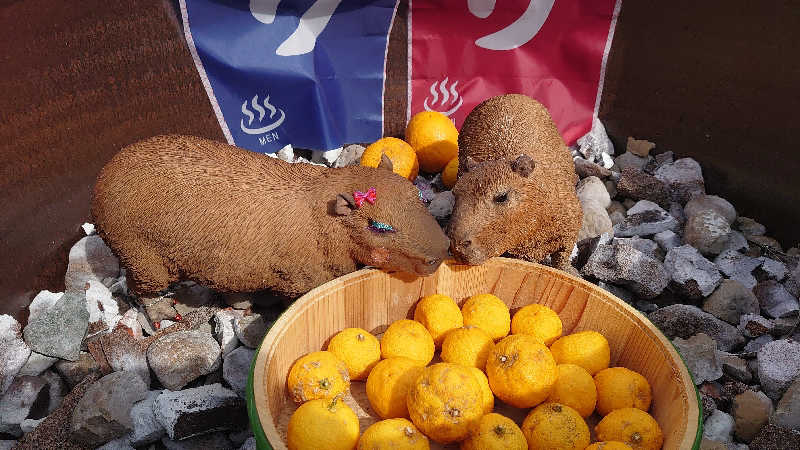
[{"x": 301, "y": 72}]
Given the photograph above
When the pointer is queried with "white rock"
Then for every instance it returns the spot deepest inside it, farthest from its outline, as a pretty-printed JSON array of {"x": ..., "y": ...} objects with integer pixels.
[
  {"x": 89, "y": 259},
  {"x": 593, "y": 190},
  {"x": 667, "y": 240},
  {"x": 236, "y": 368},
  {"x": 101, "y": 305},
  {"x": 607, "y": 160},
  {"x": 29, "y": 425},
  {"x": 350, "y": 156},
  {"x": 224, "y": 330},
  {"x": 14, "y": 352},
  {"x": 327, "y": 157},
  {"x": 644, "y": 205},
  {"x": 146, "y": 429},
  {"x": 285, "y": 154},
  {"x": 595, "y": 142},
  {"x": 42, "y": 302},
  {"x": 17, "y": 402},
  {"x": 719, "y": 427},
  {"x": 88, "y": 228},
  {"x": 778, "y": 366},
  {"x": 595, "y": 220},
  {"x": 120, "y": 286},
  {"x": 36, "y": 364},
  {"x": 442, "y": 204},
  {"x": 130, "y": 320}
]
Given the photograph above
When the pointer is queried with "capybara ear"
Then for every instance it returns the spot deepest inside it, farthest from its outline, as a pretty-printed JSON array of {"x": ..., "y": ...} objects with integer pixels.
[
  {"x": 470, "y": 163},
  {"x": 523, "y": 165},
  {"x": 386, "y": 163},
  {"x": 345, "y": 204}
]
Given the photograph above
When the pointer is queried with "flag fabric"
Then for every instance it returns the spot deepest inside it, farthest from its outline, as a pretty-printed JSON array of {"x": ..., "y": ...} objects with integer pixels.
[
  {"x": 465, "y": 51},
  {"x": 309, "y": 73}
]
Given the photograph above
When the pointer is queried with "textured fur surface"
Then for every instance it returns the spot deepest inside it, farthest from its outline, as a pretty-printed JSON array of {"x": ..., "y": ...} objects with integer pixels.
[
  {"x": 516, "y": 186},
  {"x": 185, "y": 208}
]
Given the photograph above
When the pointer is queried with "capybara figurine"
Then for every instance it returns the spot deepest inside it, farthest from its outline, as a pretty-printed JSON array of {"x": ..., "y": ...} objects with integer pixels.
[
  {"x": 516, "y": 188},
  {"x": 177, "y": 208}
]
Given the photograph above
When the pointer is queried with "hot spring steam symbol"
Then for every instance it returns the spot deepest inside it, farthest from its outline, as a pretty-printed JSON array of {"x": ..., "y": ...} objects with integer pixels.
[
  {"x": 451, "y": 95},
  {"x": 261, "y": 113}
]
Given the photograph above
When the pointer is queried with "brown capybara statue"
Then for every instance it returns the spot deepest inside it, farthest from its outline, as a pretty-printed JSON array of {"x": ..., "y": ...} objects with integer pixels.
[
  {"x": 177, "y": 208},
  {"x": 516, "y": 188}
]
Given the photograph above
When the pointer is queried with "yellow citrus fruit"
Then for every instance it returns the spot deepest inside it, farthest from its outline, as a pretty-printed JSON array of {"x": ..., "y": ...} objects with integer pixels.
[
  {"x": 553, "y": 426},
  {"x": 359, "y": 350},
  {"x": 323, "y": 423},
  {"x": 489, "y": 313},
  {"x": 393, "y": 434},
  {"x": 435, "y": 139},
  {"x": 575, "y": 388},
  {"x": 495, "y": 432},
  {"x": 408, "y": 338},
  {"x": 631, "y": 426},
  {"x": 404, "y": 159},
  {"x": 620, "y": 387},
  {"x": 486, "y": 391},
  {"x": 588, "y": 349},
  {"x": 521, "y": 371},
  {"x": 440, "y": 314},
  {"x": 318, "y": 375},
  {"x": 609, "y": 445},
  {"x": 450, "y": 173},
  {"x": 388, "y": 384},
  {"x": 539, "y": 321},
  {"x": 444, "y": 401},
  {"x": 468, "y": 346}
]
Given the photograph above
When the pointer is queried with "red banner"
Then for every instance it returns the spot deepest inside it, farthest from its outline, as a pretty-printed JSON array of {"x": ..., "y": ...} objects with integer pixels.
[{"x": 465, "y": 51}]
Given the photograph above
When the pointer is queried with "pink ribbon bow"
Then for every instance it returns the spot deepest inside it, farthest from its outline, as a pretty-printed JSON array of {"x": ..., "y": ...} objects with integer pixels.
[{"x": 369, "y": 196}]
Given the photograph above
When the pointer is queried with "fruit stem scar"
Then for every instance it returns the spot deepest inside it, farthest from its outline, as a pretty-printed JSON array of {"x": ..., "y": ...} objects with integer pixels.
[
  {"x": 499, "y": 430},
  {"x": 556, "y": 408},
  {"x": 409, "y": 432},
  {"x": 325, "y": 383},
  {"x": 360, "y": 337},
  {"x": 636, "y": 437},
  {"x": 332, "y": 404}
]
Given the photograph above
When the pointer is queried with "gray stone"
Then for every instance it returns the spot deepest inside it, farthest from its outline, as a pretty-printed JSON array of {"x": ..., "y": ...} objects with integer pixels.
[
  {"x": 442, "y": 204},
  {"x": 101, "y": 305},
  {"x": 686, "y": 320},
  {"x": 239, "y": 437},
  {"x": 755, "y": 345},
  {"x": 707, "y": 231},
  {"x": 75, "y": 371},
  {"x": 592, "y": 190},
  {"x": 778, "y": 366},
  {"x": 7, "y": 444},
  {"x": 785, "y": 325},
  {"x": 25, "y": 394},
  {"x": 676, "y": 211},
  {"x": 13, "y": 351},
  {"x": 236, "y": 367},
  {"x": 103, "y": 413},
  {"x": 730, "y": 301},
  {"x": 426, "y": 189},
  {"x": 731, "y": 263},
  {"x": 624, "y": 265},
  {"x": 787, "y": 414},
  {"x": 667, "y": 240},
  {"x": 586, "y": 169},
  {"x": 117, "y": 444},
  {"x": 350, "y": 156},
  {"x": 773, "y": 269},
  {"x": 771, "y": 437},
  {"x": 684, "y": 178},
  {"x": 703, "y": 202},
  {"x": 719, "y": 427},
  {"x": 124, "y": 352},
  {"x": 692, "y": 275},
  {"x": 200, "y": 410},
  {"x": 616, "y": 217},
  {"x": 36, "y": 364},
  {"x": 753, "y": 325},
  {"x": 146, "y": 429},
  {"x": 751, "y": 411},
  {"x": 702, "y": 359},
  {"x": 775, "y": 300},
  {"x": 792, "y": 283},
  {"x": 736, "y": 242},
  {"x": 638, "y": 185},
  {"x": 223, "y": 329},
  {"x": 628, "y": 204},
  {"x": 59, "y": 331},
  {"x": 750, "y": 227},
  {"x": 29, "y": 425},
  {"x": 249, "y": 444},
  {"x": 250, "y": 330},
  {"x": 628, "y": 160},
  {"x": 735, "y": 367},
  {"x": 595, "y": 221},
  {"x": 618, "y": 291},
  {"x": 645, "y": 219},
  {"x": 43, "y": 301},
  {"x": 57, "y": 389},
  {"x": 217, "y": 441},
  {"x": 180, "y": 357},
  {"x": 616, "y": 206},
  {"x": 89, "y": 259},
  {"x": 646, "y": 246}
]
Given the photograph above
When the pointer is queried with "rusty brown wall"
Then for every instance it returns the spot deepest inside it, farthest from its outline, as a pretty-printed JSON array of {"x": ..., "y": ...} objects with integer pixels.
[{"x": 711, "y": 80}]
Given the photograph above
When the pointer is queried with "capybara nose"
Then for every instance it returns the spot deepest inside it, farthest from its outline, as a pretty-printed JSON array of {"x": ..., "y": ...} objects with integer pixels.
[{"x": 460, "y": 247}]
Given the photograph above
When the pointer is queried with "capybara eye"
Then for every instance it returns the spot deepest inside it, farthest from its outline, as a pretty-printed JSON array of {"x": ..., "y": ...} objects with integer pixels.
[{"x": 501, "y": 198}]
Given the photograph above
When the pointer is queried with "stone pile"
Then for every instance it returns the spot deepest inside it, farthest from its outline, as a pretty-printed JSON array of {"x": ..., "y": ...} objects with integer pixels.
[{"x": 711, "y": 280}]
